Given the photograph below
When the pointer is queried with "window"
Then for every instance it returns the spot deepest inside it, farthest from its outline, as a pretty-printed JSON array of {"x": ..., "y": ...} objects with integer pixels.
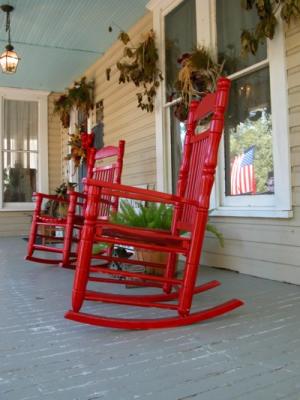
[
  {"x": 179, "y": 39},
  {"x": 254, "y": 175},
  {"x": 23, "y": 147}
]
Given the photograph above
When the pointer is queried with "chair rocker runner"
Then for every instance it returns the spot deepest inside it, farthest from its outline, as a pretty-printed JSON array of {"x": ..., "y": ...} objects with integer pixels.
[
  {"x": 105, "y": 165},
  {"x": 190, "y": 212}
]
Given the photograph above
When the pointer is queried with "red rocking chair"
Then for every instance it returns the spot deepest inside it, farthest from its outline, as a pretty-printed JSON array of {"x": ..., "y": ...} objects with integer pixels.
[
  {"x": 190, "y": 206},
  {"x": 105, "y": 165}
]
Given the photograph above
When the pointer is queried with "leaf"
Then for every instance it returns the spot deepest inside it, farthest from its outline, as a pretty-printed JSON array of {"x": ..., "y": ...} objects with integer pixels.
[
  {"x": 212, "y": 229},
  {"x": 247, "y": 4},
  {"x": 128, "y": 52},
  {"x": 108, "y": 71},
  {"x": 99, "y": 247},
  {"x": 124, "y": 37}
]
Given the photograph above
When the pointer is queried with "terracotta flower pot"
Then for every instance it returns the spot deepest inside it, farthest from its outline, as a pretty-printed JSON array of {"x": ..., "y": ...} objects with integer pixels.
[{"x": 152, "y": 256}]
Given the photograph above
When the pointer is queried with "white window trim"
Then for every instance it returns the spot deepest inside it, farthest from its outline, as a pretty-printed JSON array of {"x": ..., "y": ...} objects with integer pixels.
[
  {"x": 72, "y": 171},
  {"x": 278, "y": 205},
  {"x": 42, "y": 174}
]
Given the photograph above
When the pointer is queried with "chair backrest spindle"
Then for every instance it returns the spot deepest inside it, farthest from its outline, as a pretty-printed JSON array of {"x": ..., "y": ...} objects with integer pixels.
[
  {"x": 106, "y": 165},
  {"x": 196, "y": 175}
]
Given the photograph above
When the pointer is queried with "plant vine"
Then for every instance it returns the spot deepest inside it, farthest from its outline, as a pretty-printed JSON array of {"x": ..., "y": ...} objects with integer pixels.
[
  {"x": 267, "y": 11},
  {"x": 139, "y": 66}
]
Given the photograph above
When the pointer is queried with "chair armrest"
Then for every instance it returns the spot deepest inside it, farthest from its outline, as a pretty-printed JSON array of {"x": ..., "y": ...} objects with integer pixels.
[
  {"x": 131, "y": 192},
  {"x": 77, "y": 194},
  {"x": 50, "y": 197}
]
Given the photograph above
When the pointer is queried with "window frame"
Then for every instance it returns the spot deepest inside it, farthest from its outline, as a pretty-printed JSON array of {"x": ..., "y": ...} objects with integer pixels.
[
  {"x": 41, "y": 97},
  {"x": 278, "y": 205}
]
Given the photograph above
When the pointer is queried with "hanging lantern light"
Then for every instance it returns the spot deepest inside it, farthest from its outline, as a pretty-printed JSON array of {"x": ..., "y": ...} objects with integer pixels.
[{"x": 9, "y": 58}]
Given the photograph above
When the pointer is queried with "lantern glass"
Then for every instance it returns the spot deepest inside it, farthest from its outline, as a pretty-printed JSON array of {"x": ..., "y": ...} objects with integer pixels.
[{"x": 9, "y": 61}]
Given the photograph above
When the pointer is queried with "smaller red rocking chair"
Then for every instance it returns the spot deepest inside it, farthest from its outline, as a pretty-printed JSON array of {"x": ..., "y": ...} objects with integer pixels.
[
  {"x": 105, "y": 165},
  {"x": 190, "y": 211}
]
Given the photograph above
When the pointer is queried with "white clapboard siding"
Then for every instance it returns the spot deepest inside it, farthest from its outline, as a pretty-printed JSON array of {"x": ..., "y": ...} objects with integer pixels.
[
  {"x": 14, "y": 223},
  {"x": 265, "y": 247},
  {"x": 280, "y": 271},
  {"x": 122, "y": 118}
]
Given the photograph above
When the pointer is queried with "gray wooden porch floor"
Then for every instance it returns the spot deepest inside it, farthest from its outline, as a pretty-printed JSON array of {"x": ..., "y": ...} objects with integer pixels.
[{"x": 252, "y": 353}]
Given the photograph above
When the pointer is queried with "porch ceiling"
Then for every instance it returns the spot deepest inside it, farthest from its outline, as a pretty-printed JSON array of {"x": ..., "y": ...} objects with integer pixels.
[{"x": 58, "y": 39}]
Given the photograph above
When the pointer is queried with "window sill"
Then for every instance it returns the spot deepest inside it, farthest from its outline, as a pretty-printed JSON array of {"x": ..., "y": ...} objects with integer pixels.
[
  {"x": 18, "y": 209},
  {"x": 250, "y": 213}
]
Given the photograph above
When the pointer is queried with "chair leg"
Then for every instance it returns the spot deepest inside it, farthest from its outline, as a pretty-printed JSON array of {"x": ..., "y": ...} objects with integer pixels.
[
  {"x": 191, "y": 268},
  {"x": 34, "y": 226},
  {"x": 68, "y": 232},
  {"x": 170, "y": 271},
  {"x": 82, "y": 267}
]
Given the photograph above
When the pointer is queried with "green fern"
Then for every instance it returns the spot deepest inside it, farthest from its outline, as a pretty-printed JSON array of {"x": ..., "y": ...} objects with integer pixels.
[
  {"x": 150, "y": 215},
  {"x": 212, "y": 229},
  {"x": 153, "y": 216}
]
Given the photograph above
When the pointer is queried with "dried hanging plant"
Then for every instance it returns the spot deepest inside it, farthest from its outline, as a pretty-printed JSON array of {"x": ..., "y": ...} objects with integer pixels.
[
  {"x": 266, "y": 27},
  {"x": 139, "y": 65},
  {"x": 63, "y": 107},
  {"x": 80, "y": 96},
  {"x": 197, "y": 76}
]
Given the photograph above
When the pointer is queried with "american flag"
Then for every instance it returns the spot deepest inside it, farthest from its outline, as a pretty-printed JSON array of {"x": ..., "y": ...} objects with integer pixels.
[{"x": 242, "y": 173}]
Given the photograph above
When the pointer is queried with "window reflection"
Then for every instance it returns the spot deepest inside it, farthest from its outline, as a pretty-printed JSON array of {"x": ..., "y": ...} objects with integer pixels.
[
  {"x": 19, "y": 181},
  {"x": 248, "y": 137},
  {"x": 180, "y": 37},
  {"x": 178, "y": 130},
  {"x": 231, "y": 21}
]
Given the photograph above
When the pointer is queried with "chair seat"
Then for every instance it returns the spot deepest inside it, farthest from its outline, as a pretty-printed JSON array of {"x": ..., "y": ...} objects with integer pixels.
[
  {"x": 48, "y": 219},
  {"x": 158, "y": 237}
]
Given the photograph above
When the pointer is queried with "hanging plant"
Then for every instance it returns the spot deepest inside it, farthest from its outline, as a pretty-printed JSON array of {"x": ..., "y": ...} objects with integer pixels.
[
  {"x": 197, "y": 76},
  {"x": 139, "y": 65},
  {"x": 266, "y": 27},
  {"x": 63, "y": 107},
  {"x": 80, "y": 96},
  {"x": 80, "y": 142}
]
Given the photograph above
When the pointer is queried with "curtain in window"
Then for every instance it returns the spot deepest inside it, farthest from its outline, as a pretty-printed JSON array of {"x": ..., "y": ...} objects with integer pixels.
[{"x": 20, "y": 144}]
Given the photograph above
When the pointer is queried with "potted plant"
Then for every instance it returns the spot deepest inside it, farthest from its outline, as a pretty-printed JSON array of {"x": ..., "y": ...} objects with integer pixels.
[
  {"x": 57, "y": 208},
  {"x": 197, "y": 76},
  {"x": 154, "y": 216}
]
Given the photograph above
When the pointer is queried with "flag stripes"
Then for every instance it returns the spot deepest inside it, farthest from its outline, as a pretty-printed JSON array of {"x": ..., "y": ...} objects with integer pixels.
[{"x": 242, "y": 175}]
